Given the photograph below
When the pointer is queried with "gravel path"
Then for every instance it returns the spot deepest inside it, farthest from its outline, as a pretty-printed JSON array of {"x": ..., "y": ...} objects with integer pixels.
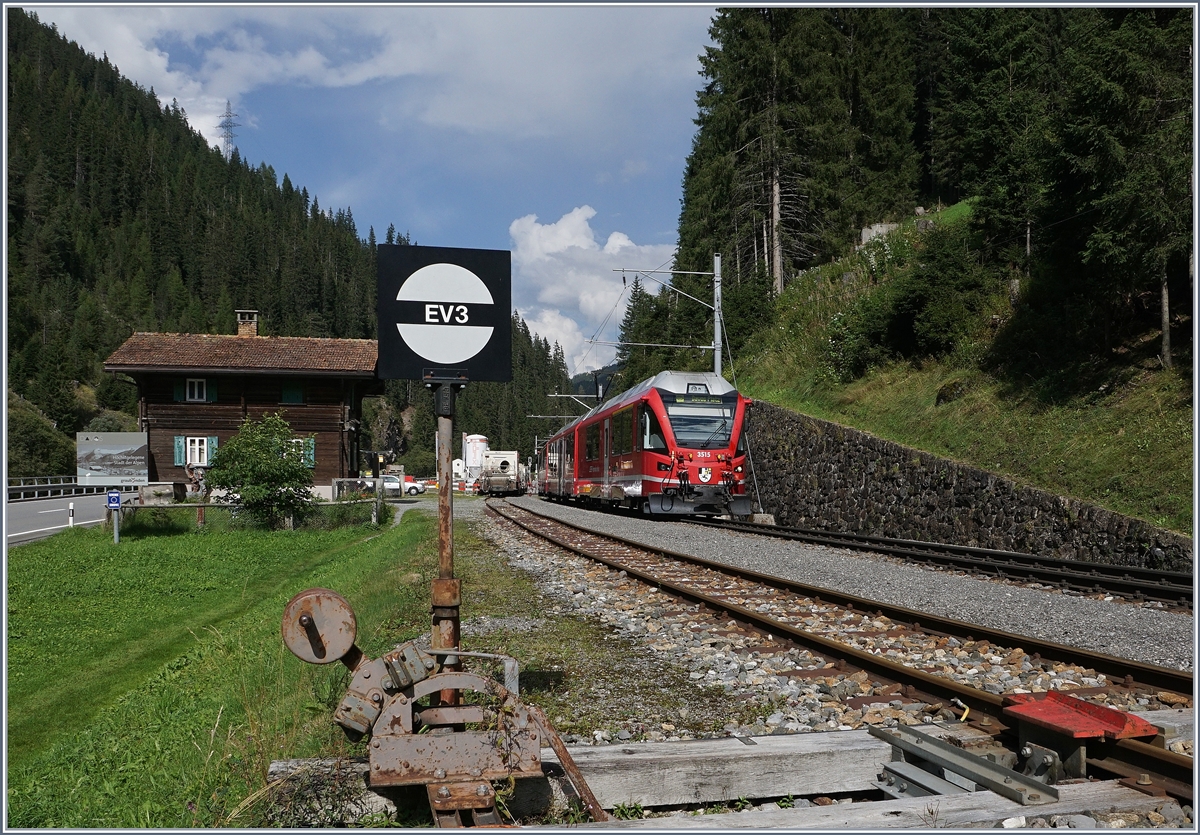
[{"x": 1140, "y": 632}]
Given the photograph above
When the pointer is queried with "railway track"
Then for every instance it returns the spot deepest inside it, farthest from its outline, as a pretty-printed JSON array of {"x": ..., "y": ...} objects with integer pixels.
[
  {"x": 1171, "y": 588},
  {"x": 852, "y": 634}
]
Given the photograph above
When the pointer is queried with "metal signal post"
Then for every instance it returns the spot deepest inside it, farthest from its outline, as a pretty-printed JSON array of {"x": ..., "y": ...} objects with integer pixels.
[
  {"x": 718, "y": 324},
  {"x": 443, "y": 318},
  {"x": 447, "y": 589}
]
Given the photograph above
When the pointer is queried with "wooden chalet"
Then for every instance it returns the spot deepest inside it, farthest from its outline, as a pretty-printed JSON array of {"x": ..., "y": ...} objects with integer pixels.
[{"x": 194, "y": 391}]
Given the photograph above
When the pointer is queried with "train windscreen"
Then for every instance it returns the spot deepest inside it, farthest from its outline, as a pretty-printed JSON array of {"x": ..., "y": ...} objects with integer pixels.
[{"x": 700, "y": 422}]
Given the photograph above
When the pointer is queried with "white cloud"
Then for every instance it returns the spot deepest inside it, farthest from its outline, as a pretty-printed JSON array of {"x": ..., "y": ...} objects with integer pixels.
[
  {"x": 520, "y": 72},
  {"x": 565, "y": 286}
]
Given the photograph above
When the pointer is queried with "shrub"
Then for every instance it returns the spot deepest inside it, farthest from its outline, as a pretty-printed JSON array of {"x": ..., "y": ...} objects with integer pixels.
[
  {"x": 264, "y": 472},
  {"x": 925, "y": 311}
]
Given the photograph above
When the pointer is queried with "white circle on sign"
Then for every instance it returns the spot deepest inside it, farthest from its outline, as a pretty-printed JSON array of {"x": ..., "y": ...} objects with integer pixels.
[
  {"x": 447, "y": 284},
  {"x": 444, "y": 283}
]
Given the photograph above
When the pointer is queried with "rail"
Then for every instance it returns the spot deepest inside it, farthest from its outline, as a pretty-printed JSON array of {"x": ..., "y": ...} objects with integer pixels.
[
  {"x": 1165, "y": 770},
  {"x": 1173, "y": 588},
  {"x": 1117, "y": 669}
]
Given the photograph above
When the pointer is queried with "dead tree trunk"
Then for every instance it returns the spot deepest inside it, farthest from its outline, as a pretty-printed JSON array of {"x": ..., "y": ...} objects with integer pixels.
[{"x": 1166, "y": 322}]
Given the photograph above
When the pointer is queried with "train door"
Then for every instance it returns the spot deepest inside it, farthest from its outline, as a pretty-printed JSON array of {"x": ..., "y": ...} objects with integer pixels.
[
  {"x": 554, "y": 476},
  {"x": 568, "y": 466},
  {"x": 621, "y": 454},
  {"x": 606, "y": 456}
]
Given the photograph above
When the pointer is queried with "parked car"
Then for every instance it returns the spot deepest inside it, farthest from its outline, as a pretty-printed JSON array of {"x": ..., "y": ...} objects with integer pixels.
[
  {"x": 391, "y": 485},
  {"x": 412, "y": 486}
]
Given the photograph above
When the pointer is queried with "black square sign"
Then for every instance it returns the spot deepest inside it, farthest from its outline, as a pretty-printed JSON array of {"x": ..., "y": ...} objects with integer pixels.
[{"x": 444, "y": 313}]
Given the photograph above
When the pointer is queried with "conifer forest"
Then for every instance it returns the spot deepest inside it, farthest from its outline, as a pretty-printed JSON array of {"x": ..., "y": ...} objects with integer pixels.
[
  {"x": 1067, "y": 131},
  {"x": 122, "y": 218}
]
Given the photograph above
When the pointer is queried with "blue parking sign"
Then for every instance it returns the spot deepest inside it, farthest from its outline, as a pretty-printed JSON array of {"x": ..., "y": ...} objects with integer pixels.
[{"x": 114, "y": 500}]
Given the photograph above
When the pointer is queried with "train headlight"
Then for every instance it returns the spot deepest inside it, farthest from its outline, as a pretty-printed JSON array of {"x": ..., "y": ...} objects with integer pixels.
[
  {"x": 662, "y": 468},
  {"x": 738, "y": 468}
]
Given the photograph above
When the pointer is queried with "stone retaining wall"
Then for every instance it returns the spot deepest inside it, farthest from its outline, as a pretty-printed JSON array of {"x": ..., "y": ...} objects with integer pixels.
[{"x": 816, "y": 474}]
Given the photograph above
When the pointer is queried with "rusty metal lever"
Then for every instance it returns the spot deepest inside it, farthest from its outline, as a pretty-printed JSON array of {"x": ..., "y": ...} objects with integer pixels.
[{"x": 568, "y": 763}]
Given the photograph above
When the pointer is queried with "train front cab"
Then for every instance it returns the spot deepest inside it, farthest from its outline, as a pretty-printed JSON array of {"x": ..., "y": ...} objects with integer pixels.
[
  {"x": 671, "y": 445},
  {"x": 698, "y": 466}
]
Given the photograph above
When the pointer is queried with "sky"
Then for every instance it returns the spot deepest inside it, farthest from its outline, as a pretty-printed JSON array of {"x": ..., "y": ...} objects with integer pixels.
[{"x": 559, "y": 133}]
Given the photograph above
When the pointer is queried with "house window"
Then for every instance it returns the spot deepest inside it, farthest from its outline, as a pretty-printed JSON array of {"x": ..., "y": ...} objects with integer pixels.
[
  {"x": 197, "y": 449},
  {"x": 308, "y": 448},
  {"x": 197, "y": 390}
]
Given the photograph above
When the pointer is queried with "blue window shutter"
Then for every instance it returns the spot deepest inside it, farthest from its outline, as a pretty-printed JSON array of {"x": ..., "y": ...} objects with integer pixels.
[
  {"x": 212, "y": 448},
  {"x": 180, "y": 391},
  {"x": 180, "y": 452},
  {"x": 292, "y": 393},
  {"x": 210, "y": 390},
  {"x": 310, "y": 452}
]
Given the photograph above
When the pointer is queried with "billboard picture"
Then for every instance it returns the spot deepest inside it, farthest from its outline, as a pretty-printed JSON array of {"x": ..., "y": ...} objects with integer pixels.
[{"x": 106, "y": 459}]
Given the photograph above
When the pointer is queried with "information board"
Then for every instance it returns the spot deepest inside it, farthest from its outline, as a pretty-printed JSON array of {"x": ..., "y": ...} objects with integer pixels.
[{"x": 108, "y": 458}]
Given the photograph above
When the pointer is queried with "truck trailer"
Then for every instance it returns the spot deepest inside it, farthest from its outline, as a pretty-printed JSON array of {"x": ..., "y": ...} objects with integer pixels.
[{"x": 502, "y": 474}]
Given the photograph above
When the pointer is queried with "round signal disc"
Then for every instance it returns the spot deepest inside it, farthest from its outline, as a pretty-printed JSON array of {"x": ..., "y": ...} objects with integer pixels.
[{"x": 319, "y": 626}]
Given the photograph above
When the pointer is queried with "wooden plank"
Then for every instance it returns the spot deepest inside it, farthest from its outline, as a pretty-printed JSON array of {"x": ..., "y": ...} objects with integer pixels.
[
  {"x": 709, "y": 771},
  {"x": 717, "y": 770},
  {"x": 695, "y": 771},
  {"x": 974, "y": 810}
]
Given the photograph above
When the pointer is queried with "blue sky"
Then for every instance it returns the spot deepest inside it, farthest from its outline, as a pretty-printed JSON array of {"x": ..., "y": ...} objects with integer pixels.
[{"x": 559, "y": 133}]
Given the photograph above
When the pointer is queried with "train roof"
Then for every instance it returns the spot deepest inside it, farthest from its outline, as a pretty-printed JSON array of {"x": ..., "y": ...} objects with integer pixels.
[{"x": 672, "y": 381}]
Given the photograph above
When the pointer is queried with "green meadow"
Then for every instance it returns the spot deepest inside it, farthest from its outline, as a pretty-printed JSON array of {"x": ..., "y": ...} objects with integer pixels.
[{"x": 147, "y": 682}]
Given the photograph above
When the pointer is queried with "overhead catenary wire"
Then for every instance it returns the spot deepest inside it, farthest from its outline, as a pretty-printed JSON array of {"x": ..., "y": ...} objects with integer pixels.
[{"x": 592, "y": 342}]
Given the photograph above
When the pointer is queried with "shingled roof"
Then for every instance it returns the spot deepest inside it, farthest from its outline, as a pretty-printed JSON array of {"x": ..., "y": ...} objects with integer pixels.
[{"x": 202, "y": 352}]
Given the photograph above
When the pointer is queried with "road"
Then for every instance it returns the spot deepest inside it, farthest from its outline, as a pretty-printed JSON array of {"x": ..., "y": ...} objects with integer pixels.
[{"x": 38, "y": 518}]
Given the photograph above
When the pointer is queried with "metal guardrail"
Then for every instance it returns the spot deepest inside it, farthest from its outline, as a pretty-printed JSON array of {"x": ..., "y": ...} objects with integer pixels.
[
  {"x": 42, "y": 479},
  {"x": 45, "y": 487}
]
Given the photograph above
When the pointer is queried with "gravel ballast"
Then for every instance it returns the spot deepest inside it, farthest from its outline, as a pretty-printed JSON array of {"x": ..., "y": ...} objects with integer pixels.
[
  {"x": 786, "y": 688},
  {"x": 772, "y": 688},
  {"x": 1137, "y": 632}
]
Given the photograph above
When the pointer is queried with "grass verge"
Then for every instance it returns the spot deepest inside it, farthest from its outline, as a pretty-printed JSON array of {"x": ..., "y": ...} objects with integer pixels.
[
  {"x": 168, "y": 689},
  {"x": 187, "y": 743}
]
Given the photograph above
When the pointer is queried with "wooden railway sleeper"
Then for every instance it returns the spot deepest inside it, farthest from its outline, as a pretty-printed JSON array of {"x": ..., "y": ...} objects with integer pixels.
[{"x": 987, "y": 711}]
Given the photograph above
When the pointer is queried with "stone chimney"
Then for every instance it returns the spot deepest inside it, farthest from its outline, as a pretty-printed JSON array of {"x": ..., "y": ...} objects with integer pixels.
[{"x": 247, "y": 322}]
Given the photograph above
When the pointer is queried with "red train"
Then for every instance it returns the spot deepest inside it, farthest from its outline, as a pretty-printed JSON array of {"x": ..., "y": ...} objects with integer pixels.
[{"x": 672, "y": 444}]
